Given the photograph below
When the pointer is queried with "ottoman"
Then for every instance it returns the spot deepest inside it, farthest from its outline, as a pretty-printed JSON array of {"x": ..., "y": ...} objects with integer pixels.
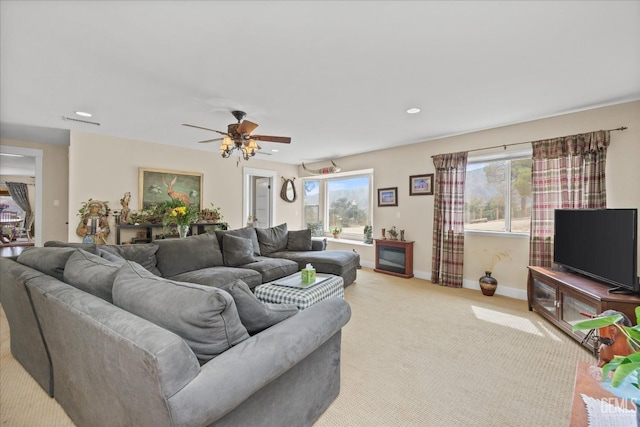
[{"x": 333, "y": 286}]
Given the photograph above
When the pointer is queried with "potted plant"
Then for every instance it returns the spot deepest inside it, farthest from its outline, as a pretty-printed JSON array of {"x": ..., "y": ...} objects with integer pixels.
[
  {"x": 626, "y": 369},
  {"x": 336, "y": 231}
]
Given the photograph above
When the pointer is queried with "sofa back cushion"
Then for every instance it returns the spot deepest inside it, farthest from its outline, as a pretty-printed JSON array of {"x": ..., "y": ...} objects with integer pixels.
[
  {"x": 246, "y": 232},
  {"x": 50, "y": 261},
  {"x": 91, "y": 273},
  {"x": 237, "y": 250},
  {"x": 273, "y": 239},
  {"x": 177, "y": 256},
  {"x": 204, "y": 316},
  {"x": 143, "y": 254},
  {"x": 255, "y": 315},
  {"x": 299, "y": 240}
]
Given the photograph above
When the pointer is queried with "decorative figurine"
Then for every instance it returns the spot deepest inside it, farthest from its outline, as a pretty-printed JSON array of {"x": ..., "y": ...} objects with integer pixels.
[
  {"x": 393, "y": 233},
  {"x": 124, "y": 202},
  {"x": 402, "y": 235}
]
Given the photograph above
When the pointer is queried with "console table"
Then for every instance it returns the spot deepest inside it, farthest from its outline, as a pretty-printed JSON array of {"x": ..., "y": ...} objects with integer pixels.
[
  {"x": 144, "y": 232},
  {"x": 394, "y": 257},
  {"x": 564, "y": 298}
]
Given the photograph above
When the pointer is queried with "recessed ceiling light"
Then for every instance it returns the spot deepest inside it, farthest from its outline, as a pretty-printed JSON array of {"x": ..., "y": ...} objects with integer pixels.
[
  {"x": 83, "y": 114},
  {"x": 413, "y": 110}
]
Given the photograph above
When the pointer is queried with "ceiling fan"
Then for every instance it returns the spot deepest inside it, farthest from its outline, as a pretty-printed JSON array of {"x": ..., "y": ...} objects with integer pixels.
[{"x": 238, "y": 137}]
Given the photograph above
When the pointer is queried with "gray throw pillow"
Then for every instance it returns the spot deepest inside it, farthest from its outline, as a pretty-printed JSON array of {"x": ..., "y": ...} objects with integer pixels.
[
  {"x": 177, "y": 256},
  {"x": 91, "y": 273},
  {"x": 236, "y": 250},
  {"x": 204, "y": 316},
  {"x": 143, "y": 254},
  {"x": 255, "y": 315},
  {"x": 50, "y": 261},
  {"x": 273, "y": 239},
  {"x": 299, "y": 240},
  {"x": 246, "y": 232}
]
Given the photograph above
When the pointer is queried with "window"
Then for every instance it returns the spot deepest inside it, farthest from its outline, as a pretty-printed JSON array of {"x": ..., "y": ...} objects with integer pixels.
[
  {"x": 497, "y": 195},
  {"x": 338, "y": 200}
]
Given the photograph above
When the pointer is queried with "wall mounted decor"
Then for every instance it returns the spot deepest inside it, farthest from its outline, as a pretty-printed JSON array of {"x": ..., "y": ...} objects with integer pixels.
[
  {"x": 156, "y": 186},
  {"x": 288, "y": 190},
  {"x": 421, "y": 185},
  {"x": 323, "y": 171},
  {"x": 388, "y": 196}
]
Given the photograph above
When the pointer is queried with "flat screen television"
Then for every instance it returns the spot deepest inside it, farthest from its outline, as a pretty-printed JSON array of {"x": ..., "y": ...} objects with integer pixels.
[{"x": 600, "y": 243}]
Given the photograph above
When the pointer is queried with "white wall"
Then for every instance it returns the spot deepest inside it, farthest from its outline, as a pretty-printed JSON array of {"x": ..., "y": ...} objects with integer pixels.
[
  {"x": 415, "y": 213},
  {"x": 104, "y": 168}
]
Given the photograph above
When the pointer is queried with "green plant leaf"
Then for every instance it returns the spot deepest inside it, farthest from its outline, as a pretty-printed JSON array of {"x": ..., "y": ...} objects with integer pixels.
[
  {"x": 596, "y": 323},
  {"x": 623, "y": 371}
]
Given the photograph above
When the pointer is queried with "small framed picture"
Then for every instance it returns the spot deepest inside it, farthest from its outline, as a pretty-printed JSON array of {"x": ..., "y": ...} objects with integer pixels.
[
  {"x": 388, "y": 196},
  {"x": 421, "y": 185}
]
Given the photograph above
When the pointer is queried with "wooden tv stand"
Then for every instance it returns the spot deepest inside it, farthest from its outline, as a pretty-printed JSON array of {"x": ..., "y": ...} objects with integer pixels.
[{"x": 562, "y": 297}]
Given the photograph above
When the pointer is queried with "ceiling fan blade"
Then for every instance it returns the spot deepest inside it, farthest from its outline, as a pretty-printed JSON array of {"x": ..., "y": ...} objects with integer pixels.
[
  {"x": 281, "y": 139},
  {"x": 246, "y": 127},
  {"x": 200, "y": 127},
  {"x": 210, "y": 140}
]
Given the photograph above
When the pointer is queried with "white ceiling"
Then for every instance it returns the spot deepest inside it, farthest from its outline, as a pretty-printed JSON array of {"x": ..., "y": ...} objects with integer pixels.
[{"x": 337, "y": 77}]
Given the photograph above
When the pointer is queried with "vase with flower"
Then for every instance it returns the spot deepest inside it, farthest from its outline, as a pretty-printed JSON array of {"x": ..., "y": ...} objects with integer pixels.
[
  {"x": 179, "y": 213},
  {"x": 489, "y": 284}
]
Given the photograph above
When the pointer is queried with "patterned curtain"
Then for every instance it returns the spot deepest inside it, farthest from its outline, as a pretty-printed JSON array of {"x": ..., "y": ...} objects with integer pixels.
[
  {"x": 567, "y": 172},
  {"x": 19, "y": 192},
  {"x": 448, "y": 219}
]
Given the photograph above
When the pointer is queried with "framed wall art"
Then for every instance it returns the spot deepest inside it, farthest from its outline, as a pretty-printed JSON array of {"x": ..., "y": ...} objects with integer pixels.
[
  {"x": 388, "y": 196},
  {"x": 156, "y": 186},
  {"x": 421, "y": 185}
]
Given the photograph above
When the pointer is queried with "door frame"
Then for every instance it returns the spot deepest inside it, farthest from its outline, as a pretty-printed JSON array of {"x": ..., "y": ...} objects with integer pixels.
[
  {"x": 38, "y": 154},
  {"x": 247, "y": 190}
]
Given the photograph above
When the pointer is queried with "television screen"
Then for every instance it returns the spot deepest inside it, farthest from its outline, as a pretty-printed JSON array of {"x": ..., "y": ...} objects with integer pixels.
[{"x": 600, "y": 243}]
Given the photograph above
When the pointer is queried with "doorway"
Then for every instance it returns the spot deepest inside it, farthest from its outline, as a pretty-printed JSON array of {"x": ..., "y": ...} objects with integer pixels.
[
  {"x": 38, "y": 157},
  {"x": 258, "y": 197}
]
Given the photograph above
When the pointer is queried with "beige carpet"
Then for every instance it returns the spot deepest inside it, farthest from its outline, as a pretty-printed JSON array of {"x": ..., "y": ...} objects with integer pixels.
[{"x": 414, "y": 354}]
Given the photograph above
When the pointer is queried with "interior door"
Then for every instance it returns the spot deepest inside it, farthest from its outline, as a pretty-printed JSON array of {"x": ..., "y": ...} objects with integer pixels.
[{"x": 263, "y": 202}]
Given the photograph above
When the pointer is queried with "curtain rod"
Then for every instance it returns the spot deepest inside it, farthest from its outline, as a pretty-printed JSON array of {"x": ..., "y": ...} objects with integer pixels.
[{"x": 621, "y": 128}]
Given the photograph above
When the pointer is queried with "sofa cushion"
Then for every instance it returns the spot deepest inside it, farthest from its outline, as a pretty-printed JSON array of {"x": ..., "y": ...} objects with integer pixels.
[
  {"x": 177, "y": 256},
  {"x": 271, "y": 268},
  {"x": 205, "y": 317},
  {"x": 299, "y": 240},
  {"x": 143, "y": 254},
  {"x": 91, "y": 273},
  {"x": 219, "y": 275},
  {"x": 89, "y": 247},
  {"x": 50, "y": 260},
  {"x": 255, "y": 315},
  {"x": 246, "y": 232},
  {"x": 272, "y": 239},
  {"x": 237, "y": 250}
]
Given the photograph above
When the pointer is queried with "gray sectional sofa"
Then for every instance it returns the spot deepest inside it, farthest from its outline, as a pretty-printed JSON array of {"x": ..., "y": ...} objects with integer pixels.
[{"x": 127, "y": 335}]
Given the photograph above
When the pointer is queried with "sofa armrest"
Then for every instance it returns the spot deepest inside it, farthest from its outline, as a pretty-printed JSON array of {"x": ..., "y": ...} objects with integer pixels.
[
  {"x": 231, "y": 378},
  {"x": 318, "y": 245}
]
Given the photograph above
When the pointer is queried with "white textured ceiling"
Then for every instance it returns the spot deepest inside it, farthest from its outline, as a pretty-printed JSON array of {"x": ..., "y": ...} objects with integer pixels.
[{"x": 335, "y": 76}]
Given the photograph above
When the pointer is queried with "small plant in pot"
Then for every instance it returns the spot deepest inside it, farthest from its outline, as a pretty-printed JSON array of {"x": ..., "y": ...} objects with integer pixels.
[{"x": 336, "y": 231}]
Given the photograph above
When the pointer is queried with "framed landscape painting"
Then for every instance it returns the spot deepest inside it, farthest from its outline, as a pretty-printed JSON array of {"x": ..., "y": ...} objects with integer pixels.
[
  {"x": 388, "y": 196},
  {"x": 421, "y": 185},
  {"x": 156, "y": 186}
]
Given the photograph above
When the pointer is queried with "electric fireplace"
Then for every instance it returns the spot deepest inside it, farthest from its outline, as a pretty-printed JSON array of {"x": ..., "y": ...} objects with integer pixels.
[{"x": 394, "y": 257}]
